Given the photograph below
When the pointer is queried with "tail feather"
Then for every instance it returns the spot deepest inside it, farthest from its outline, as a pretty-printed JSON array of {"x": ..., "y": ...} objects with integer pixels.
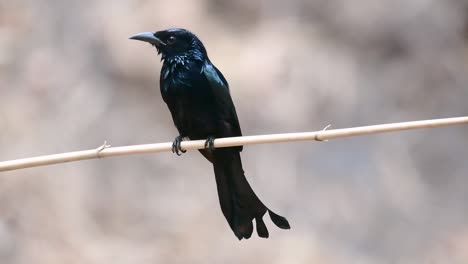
[
  {"x": 279, "y": 220},
  {"x": 262, "y": 230},
  {"x": 239, "y": 203},
  {"x": 244, "y": 231}
]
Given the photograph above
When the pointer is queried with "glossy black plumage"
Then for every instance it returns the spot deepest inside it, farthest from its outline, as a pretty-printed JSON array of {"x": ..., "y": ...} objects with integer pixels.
[{"x": 199, "y": 100}]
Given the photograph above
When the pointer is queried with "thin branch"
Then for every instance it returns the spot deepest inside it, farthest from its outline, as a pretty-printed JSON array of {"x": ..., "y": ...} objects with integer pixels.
[{"x": 322, "y": 135}]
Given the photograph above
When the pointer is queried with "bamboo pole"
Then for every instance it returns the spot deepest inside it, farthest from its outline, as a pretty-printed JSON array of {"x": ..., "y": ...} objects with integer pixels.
[{"x": 105, "y": 150}]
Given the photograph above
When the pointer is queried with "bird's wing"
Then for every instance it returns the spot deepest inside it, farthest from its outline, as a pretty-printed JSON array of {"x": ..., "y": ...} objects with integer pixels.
[{"x": 220, "y": 89}]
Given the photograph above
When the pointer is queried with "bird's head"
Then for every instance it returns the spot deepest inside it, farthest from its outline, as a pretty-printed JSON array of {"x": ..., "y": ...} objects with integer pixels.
[{"x": 174, "y": 43}]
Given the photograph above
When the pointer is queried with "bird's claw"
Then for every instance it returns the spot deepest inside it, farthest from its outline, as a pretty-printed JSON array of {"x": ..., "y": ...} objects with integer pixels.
[
  {"x": 209, "y": 144},
  {"x": 176, "y": 148}
]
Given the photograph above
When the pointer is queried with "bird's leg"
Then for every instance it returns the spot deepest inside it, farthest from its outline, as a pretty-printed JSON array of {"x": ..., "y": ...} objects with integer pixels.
[
  {"x": 176, "y": 146},
  {"x": 209, "y": 143}
]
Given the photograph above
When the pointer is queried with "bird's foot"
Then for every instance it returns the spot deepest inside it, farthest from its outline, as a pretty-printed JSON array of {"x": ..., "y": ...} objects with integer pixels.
[
  {"x": 176, "y": 148},
  {"x": 209, "y": 143}
]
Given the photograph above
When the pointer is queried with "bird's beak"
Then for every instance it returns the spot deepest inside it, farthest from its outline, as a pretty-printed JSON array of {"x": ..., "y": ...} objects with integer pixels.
[{"x": 148, "y": 37}]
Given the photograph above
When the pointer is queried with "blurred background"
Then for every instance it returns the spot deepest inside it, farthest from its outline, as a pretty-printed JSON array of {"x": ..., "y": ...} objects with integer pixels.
[{"x": 70, "y": 79}]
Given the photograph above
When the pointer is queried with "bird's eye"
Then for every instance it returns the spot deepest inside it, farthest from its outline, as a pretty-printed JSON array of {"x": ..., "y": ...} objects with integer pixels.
[{"x": 171, "y": 40}]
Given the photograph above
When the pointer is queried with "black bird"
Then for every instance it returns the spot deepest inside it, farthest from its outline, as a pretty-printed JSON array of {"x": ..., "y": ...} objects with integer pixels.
[{"x": 199, "y": 100}]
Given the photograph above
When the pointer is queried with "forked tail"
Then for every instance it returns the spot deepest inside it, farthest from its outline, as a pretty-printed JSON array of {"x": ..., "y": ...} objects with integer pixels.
[{"x": 239, "y": 203}]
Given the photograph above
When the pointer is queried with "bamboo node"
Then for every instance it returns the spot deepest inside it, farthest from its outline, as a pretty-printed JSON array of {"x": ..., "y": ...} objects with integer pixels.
[
  {"x": 101, "y": 148},
  {"x": 316, "y": 137}
]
